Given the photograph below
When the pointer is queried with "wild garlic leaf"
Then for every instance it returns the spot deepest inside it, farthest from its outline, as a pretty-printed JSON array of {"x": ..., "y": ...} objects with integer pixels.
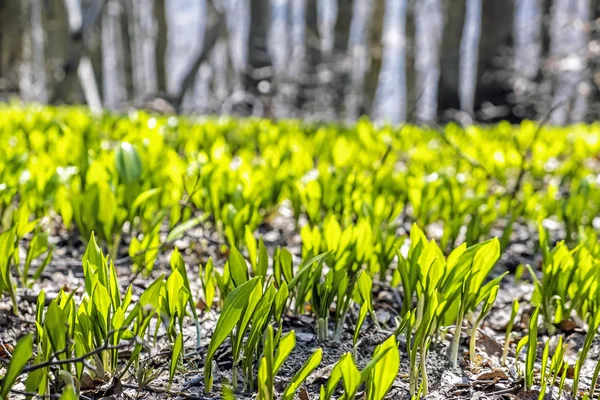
[
  {"x": 234, "y": 306},
  {"x": 313, "y": 362},
  {"x": 20, "y": 357}
]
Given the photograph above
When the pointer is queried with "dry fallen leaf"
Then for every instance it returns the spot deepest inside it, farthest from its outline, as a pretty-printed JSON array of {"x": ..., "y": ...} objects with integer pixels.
[
  {"x": 6, "y": 350},
  {"x": 303, "y": 394},
  {"x": 568, "y": 326},
  {"x": 201, "y": 305},
  {"x": 494, "y": 375},
  {"x": 112, "y": 388}
]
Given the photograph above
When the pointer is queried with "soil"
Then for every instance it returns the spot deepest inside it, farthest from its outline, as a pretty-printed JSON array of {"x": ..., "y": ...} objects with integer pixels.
[{"x": 486, "y": 379}]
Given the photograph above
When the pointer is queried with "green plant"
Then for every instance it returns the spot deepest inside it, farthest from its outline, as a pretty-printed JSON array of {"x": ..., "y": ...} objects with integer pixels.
[
  {"x": 487, "y": 307},
  {"x": 457, "y": 281},
  {"x": 272, "y": 361},
  {"x": 382, "y": 375},
  {"x": 176, "y": 356},
  {"x": 309, "y": 366},
  {"x": 513, "y": 313},
  {"x": 345, "y": 369},
  {"x": 234, "y": 313},
  {"x": 20, "y": 357},
  {"x": 593, "y": 326}
]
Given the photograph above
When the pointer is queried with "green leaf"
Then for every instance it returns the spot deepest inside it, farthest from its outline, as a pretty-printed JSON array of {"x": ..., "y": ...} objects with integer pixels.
[
  {"x": 263, "y": 380},
  {"x": 286, "y": 345},
  {"x": 151, "y": 296},
  {"x": 252, "y": 301},
  {"x": 305, "y": 267},
  {"x": 350, "y": 374},
  {"x": 55, "y": 323},
  {"x": 179, "y": 230},
  {"x": 364, "y": 309},
  {"x": 143, "y": 198},
  {"x": 531, "y": 349},
  {"x": 281, "y": 299},
  {"x": 234, "y": 306},
  {"x": 263, "y": 259},
  {"x": 313, "y": 362},
  {"x": 128, "y": 163},
  {"x": 385, "y": 371},
  {"x": 20, "y": 357},
  {"x": 175, "y": 357},
  {"x": 69, "y": 393},
  {"x": 251, "y": 247},
  {"x": 237, "y": 267},
  {"x": 344, "y": 369}
]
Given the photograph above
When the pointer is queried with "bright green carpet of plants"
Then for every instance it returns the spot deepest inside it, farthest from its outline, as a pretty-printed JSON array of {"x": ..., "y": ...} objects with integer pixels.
[{"x": 141, "y": 182}]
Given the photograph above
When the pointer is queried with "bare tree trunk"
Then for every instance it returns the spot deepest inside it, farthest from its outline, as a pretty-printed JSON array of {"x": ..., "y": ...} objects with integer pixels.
[
  {"x": 26, "y": 76},
  {"x": 358, "y": 53},
  {"x": 39, "y": 58},
  {"x": 11, "y": 27},
  {"x": 161, "y": 44},
  {"x": 143, "y": 56},
  {"x": 79, "y": 25},
  {"x": 33, "y": 85},
  {"x": 327, "y": 17},
  {"x": 469, "y": 56},
  {"x": 258, "y": 53},
  {"x": 429, "y": 22},
  {"x": 213, "y": 32},
  {"x": 569, "y": 39},
  {"x": 279, "y": 41},
  {"x": 390, "y": 99},
  {"x": 113, "y": 66}
]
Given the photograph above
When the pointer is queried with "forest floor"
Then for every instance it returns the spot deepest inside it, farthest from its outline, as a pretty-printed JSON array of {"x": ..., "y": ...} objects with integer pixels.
[{"x": 488, "y": 378}]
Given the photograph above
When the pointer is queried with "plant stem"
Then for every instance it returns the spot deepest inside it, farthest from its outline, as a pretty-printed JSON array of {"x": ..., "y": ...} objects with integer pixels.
[
  {"x": 594, "y": 380},
  {"x": 234, "y": 376},
  {"x": 456, "y": 339},
  {"x": 473, "y": 342},
  {"x": 114, "y": 251},
  {"x": 424, "y": 380},
  {"x": 13, "y": 298},
  {"x": 414, "y": 372},
  {"x": 322, "y": 329}
]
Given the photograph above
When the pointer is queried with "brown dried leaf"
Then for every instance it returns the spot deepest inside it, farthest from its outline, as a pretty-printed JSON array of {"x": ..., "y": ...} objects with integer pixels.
[
  {"x": 568, "y": 326},
  {"x": 6, "y": 350},
  {"x": 494, "y": 375},
  {"x": 112, "y": 388},
  {"x": 303, "y": 394}
]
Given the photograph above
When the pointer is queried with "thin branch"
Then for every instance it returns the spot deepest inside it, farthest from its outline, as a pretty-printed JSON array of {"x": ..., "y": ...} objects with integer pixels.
[
  {"x": 461, "y": 154},
  {"x": 74, "y": 360},
  {"x": 524, "y": 168}
]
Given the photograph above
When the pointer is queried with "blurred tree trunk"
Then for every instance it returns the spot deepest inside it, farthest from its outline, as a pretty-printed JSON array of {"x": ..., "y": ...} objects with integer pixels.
[
  {"x": 38, "y": 54},
  {"x": 113, "y": 66},
  {"x": 11, "y": 27},
  {"x": 56, "y": 26},
  {"x": 469, "y": 56},
  {"x": 359, "y": 56},
  {"x": 429, "y": 24},
  {"x": 376, "y": 52},
  {"x": 77, "y": 63},
  {"x": 143, "y": 55},
  {"x": 391, "y": 96},
  {"x": 496, "y": 32},
  {"x": 33, "y": 84},
  {"x": 26, "y": 76},
  {"x": 258, "y": 53},
  {"x": 216, "y": 28},
  {"x": 161, "y": 44}
]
